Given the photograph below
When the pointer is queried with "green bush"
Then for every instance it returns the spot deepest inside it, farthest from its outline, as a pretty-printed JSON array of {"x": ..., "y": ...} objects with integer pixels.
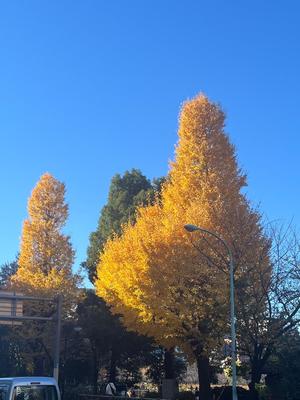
[
  {"x": 187, "y": 395},
  {"x": 153, "y": 395},
  {"x": 225, "y": 393},
  {"x": 263, "y": 392}
]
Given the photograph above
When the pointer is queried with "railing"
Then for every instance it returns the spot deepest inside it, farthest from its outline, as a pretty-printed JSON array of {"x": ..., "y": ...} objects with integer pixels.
[{"x": 106, "y": 397}]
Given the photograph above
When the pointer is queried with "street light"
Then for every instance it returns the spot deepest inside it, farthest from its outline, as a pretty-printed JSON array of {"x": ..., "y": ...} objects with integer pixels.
[{"x": 193, "y": 228}]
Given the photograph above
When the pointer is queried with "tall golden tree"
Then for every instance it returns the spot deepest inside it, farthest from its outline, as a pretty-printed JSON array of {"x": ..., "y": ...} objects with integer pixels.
[
  {"x": 163, "y": 284},
  {"x": 46, "y": 254}
]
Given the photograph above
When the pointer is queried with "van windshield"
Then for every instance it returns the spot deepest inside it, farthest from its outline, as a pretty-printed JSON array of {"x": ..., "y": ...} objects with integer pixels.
[
  {"x": 4, "y": 390},
  {"x": 40, "y": 392}
]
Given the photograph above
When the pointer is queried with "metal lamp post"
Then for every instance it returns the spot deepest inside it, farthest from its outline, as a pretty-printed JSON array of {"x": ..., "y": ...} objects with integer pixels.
[{"x": 193, "y": 228}]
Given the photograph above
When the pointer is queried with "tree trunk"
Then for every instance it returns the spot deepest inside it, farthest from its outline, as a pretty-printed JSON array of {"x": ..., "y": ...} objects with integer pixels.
[
  {"x": 252, "y": 391},
  {"x": 39, "y": 366},
  {"x": 169, "y": 383},
  {"x": 255, "y": 378},
  {"x": 95, "y": 372},
  {"x": 203, "y": 375},
  {"x": 169, "y": 364},
  {"x": 113, "y": 366}
]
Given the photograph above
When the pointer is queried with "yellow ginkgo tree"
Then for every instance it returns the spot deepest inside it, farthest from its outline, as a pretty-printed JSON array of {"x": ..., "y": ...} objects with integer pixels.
[
  {"x": 163, "y": 281},
  {"x": 46, "y": 254}
]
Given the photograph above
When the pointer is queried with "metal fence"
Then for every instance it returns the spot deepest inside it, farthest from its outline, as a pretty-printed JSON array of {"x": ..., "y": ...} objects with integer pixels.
[{"x": 83, "y": 396}]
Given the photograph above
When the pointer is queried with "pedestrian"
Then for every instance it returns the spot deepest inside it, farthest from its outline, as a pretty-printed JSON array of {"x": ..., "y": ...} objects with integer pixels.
[
  {"x": 110, "y": 389},
  {"x": 131, "y": 392}
]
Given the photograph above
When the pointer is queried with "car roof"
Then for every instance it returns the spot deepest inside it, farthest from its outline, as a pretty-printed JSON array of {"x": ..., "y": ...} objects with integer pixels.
[{"x": 31, "y": 380}]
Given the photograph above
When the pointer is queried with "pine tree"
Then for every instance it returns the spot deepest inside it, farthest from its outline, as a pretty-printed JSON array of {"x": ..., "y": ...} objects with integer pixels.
[{"x": 164, "y": 285}]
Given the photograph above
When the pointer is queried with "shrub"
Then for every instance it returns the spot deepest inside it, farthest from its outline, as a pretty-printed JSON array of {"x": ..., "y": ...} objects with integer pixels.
[
  {"x": 225, "y": 393},
  {"x": 187, "y": 395}
]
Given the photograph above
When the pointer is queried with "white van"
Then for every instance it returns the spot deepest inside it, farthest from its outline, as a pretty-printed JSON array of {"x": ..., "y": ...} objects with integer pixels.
[{"x": 29, "y": 388}]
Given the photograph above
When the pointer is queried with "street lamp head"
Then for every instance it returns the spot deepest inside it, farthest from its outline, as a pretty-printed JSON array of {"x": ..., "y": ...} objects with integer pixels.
[{"x": 191, "y": 228}]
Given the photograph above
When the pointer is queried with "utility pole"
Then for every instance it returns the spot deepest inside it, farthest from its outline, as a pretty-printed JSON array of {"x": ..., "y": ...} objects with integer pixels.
[{"x": 57, "y": 338}]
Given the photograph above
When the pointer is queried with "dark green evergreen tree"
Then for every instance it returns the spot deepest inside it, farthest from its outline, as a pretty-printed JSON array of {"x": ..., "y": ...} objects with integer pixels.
[
  {"x": 111, "y": 346},
  {"x": 126, "y": 193},
  {"x": 6, "y": 271},
  {"x": 283, "y": 368}
]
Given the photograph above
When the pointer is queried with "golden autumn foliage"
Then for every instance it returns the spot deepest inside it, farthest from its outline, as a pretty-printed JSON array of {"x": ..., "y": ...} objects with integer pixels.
[
  {"x": 46, "y": 254},
  {"x": 165, "y": 282}
]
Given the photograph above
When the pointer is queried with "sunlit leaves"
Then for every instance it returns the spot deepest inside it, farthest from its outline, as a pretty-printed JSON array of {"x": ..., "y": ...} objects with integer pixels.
[
  {"x": 165, "y": 282},
  {"x": 46, "y": 254}
]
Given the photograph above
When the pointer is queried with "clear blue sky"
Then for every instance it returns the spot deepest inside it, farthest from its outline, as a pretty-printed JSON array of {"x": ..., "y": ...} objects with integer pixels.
[{"x": 92, "y": 88}]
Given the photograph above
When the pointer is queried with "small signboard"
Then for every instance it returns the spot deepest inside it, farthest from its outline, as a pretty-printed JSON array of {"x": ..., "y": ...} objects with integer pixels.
[{"x": 10, "y": 307}]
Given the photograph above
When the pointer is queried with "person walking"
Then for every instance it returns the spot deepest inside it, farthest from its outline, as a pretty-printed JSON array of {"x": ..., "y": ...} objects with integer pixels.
[{"x": 110, "y": 389}]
